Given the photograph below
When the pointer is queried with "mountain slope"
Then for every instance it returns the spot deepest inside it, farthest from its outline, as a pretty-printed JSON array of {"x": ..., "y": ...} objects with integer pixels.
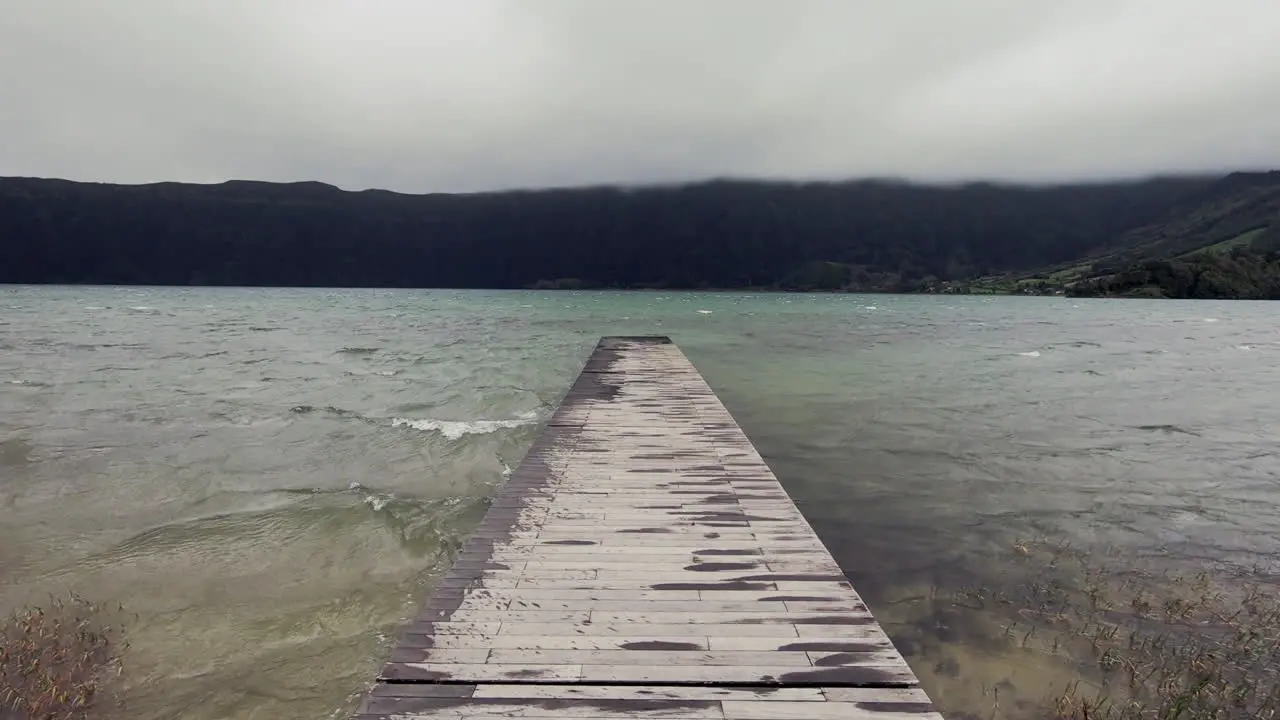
[
  {"x": 1218, "y": 242},
  {"x": 1153, "y": 238},
  {"x": 874, "y": 235}
]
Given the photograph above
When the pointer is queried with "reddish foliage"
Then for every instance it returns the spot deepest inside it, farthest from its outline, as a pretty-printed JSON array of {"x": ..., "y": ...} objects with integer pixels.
[{"x": 57, "y": 663}]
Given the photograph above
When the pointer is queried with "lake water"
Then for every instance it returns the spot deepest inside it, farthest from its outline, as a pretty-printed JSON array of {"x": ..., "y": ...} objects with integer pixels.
[{"x": 270, "y": 479}]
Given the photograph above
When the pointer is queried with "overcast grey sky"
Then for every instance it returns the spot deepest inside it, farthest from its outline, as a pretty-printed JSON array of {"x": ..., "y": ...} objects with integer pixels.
[{"x": 429, "y": 95}]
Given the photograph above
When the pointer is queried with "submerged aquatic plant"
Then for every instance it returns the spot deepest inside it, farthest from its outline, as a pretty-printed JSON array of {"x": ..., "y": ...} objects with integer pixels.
[
  {"x": 60, "y": 661},
  {"x": 1141, "y": 645}
]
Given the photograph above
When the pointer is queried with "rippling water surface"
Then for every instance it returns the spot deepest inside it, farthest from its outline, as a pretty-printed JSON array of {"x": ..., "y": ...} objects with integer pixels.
[{"x": 271, "y": 479}]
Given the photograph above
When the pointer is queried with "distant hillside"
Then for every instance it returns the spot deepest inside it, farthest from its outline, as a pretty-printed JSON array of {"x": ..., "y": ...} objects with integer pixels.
[
  {"x": 1218, "y": 242},
  {"x": 864, "y": 235}
]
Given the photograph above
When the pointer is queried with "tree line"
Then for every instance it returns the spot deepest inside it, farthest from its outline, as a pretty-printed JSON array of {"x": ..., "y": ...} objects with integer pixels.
[{"x": 881, "y": 235}]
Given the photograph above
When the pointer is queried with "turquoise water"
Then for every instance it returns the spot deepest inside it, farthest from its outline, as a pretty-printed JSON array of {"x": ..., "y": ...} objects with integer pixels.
[{"x": 270, "y": 479}]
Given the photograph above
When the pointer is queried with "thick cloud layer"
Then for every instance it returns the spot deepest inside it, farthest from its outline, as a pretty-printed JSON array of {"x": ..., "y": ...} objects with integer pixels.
[{"x": 427, "y": 95}]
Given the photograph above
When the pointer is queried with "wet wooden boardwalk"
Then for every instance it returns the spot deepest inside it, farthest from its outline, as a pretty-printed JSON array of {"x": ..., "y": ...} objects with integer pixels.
[{"x": 643, "y": 562}]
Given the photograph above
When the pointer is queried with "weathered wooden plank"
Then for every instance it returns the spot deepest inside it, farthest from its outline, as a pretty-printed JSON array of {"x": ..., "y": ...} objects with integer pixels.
[
  {"x": 685, "y": 541},
  {"x": 755, "y": 674},
  {"x": 752, "y": 710},
  {"x": 673, "y": 565},
  {"x": 672, "y": 692},
  {"x": 450, "y": 656},
  {"x": 561, "y": 642},
  {"x": 615, "y": 617},
  {"x": 657, "y": 606},
  {"x": 882, "y": 656},
  {"x": 535, "y": 594},
  {"x": 489, "y": 707},
  {"x": 454, "y": 672},
  {"x": 638, "y": 630},
  {"x": 642, "y": 657},
  {"x": 671, "y": 581},
  {"x": 838, "y": 595},
  {"x": 642, "y": 561},
  {"x": 866, "y": 639},
  {"x": 552, "y": 562},
  {"x": 914, "y": 696}
]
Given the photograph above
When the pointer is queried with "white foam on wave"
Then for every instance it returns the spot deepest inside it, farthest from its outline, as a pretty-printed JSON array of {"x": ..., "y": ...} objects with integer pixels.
[
  {"x": 141, "y": 308},
  {"x": 374, "y": 500},
  {"x": 389, "y": 373},
  {"x": 457, "y": 429},
  {"x": 1244, "y": 347},
  {"x": 704, "y": 312},
  {"x": 1033, "y": 353},
  {"x": 94, "y": 307},
  {"x": 1211, "y": 319},
  {"x": 869, "y": 307}
]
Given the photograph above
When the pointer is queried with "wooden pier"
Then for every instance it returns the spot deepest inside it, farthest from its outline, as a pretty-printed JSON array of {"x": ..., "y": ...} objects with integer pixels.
[{"x": 644, "y": 562}]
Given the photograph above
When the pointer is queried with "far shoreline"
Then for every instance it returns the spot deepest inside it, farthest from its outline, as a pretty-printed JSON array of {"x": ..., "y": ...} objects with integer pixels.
[{"x": 651, "y": 290}]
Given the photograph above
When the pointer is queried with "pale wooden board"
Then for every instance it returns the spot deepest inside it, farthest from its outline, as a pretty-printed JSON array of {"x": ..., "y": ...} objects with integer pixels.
[
  {"x": 873, "y": 638},
  {"x": 643, "y": 561},
  {"x": 769, "y": 674},
  {"x": 640, "y": 629},
  {"x": 570, "y": 642},
  {"x": 763, "y": 674},
  {"x": 542, "y": 656},
  {"x": 641, "y": 692},
  {"x": 709, "y": 605}
]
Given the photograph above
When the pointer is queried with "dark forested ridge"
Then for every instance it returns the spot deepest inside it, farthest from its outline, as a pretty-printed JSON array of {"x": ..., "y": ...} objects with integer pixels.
[{"x": 863, "y": 235}]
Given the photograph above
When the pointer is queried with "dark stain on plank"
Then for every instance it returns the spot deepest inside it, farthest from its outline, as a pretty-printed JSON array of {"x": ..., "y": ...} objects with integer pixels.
[
  {"x": 728, "y": 585},
  {"x": 659, "y": 645},
  {"x": 720, "y": 566},
  {"x": 433, "y": 706},
  {"x": 570, "y": 542},
  {"x": 711, "y": 552},
  {"x": 792, "y": 551},
  {"x": 829, "y": 646},
  {"x": 833, "y": 620},
  {"x": 797, "y": 577},
  {"x": 720, "y": 499},
  {"x": 837, "y": 660}
]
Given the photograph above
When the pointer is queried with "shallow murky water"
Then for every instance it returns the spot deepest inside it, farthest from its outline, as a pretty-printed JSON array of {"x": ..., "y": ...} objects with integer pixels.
[{"x": 270, "y": 479}]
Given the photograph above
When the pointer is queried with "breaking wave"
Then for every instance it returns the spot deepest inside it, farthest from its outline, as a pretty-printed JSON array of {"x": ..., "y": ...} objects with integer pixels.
[{"x": 456, "y": 429}]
